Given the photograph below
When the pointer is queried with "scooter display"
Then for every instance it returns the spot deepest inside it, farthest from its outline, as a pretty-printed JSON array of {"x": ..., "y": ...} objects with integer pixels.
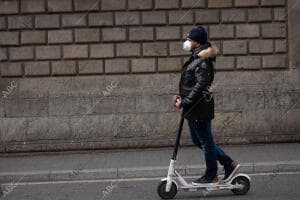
[{"x": 238, "y": 183}]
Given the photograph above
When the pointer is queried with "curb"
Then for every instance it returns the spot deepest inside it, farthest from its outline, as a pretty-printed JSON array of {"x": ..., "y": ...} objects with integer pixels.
[{"x": 140, "y": 172}]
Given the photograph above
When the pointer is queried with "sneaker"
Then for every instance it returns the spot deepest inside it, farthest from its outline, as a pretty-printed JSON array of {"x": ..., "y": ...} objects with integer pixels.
[
  {"x": 229, "y": 171},
  {"x": 205, "y": 181}
]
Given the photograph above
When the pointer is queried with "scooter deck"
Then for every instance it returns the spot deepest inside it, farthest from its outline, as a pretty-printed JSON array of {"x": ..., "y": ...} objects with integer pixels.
[{"x": 215, "y": 185}]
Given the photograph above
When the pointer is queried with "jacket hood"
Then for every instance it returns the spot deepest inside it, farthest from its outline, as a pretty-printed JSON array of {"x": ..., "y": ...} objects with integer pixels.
[
  {"x": 210, "y": 52},
  {"x": 196, "y": 51}
]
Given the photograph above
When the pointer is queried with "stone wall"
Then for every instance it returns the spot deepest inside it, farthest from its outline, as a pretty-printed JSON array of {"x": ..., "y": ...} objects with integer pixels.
[{"x": 97, "y": 74}]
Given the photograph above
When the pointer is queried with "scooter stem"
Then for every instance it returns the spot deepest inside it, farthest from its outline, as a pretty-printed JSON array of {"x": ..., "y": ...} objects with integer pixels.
[
  {"x": 178, "y": 138},
  {"x": 171, "y": 170}
]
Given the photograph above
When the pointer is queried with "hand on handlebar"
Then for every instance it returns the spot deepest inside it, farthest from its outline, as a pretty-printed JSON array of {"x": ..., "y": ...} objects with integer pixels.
[{"x": 177, "y": 101}]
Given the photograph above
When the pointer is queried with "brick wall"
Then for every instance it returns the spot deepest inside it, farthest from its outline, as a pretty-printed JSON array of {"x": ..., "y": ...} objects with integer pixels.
[{"x": 80, "y": 74}]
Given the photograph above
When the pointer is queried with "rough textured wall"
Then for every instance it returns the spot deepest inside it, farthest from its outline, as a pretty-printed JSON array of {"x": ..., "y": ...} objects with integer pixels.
[{"x": 81, "y": 74}]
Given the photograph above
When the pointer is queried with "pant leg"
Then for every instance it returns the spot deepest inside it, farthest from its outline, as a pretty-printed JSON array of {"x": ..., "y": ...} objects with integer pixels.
[
  {"x": 203, "y": 132},
  {"x": 193, "y": 133},
  {"x": 223, "y": 158}
]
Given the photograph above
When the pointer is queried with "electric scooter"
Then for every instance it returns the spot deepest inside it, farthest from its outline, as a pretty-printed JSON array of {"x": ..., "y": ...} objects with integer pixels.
[{"x": 167, "y": 189}]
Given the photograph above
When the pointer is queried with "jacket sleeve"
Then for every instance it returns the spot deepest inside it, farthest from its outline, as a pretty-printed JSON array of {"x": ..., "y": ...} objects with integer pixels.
[{"x": 202, "y": 83}]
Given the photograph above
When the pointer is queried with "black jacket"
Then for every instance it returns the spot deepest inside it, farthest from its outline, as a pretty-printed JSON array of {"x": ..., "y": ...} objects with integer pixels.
[{"x": 196, "y": 77}]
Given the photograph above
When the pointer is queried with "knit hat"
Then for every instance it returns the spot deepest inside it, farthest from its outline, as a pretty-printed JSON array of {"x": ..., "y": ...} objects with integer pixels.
[{"x": 198, "y": 34}]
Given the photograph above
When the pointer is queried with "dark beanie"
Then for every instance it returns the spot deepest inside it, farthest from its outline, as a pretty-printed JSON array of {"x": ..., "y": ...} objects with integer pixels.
[{"x": 198, "y": 34}]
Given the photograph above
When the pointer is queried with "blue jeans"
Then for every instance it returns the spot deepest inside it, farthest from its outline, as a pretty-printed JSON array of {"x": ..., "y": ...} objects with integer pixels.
[{"x": 202, "y": 137}]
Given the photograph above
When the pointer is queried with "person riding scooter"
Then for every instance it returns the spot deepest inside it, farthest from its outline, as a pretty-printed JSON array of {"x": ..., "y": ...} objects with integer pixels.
[{"x": 197, "y": 75}]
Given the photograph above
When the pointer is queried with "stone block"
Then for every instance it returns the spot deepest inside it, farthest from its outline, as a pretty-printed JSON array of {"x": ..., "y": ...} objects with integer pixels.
[
  {"x": 11, "y": 69},
  {"x": 13, "y": 129},
  {"x": 155, "y": 49},
  {"x": 74, "y": 20},
  {"x": 32, "y": 6},
  {"x": 47, "y": 21},
  {"x": 113, "y": 4},
  {"x": 9, "y": 7},
  {"x": 50, "y": 128},
  {"x": 140, "y": 4},
  {"x": 273, "y": 2},
  {"x": 181, "y": 17},
  {"x": 63, "y": 67},
  {"x": 193, "y": 4},
  {"x": 246, "y": 3},
  {"x": 259, "y": 14},
  {"x": 102, "y": 50},
  {"x": 228, "y": 123},
  {"x": 141, "y": 34},
  {"x": 3, "y": 24},
  {"x": 221, "y": 31},
  {"x": 233, "y": 15},
  {"x": 127, "y": 18},
  {"x": 277, "y": 30},
  {"x": 68, "y": 105},
  {"x": 154, "y": 17},
  {"x": 86, "y": 5},
  {"x": 87, "y": 35},
  {"x": 3, "y": 54},
  {"x": 248, "y": 62},
  {"x": 128, "y": 49},
  {"x": 100, "y": 19},
  {"x": 261, "y": 46},
  {"x": 90, "y": 67},
  {"x": 20, "y": 22},
  {"x": 166, "y": 4},
  {"x": 207, "y": 16},
  {"x": 117, "y": 66},
  {"x": 262, "y": 122},
  {"x": 168, "y": 33},
  {"x": 26, "y": 107},
  {"x": 9, "y": 38},
  {"x": 92, "y": 126},
  {"x": 21, "y": 53},
  {"x": 225, "y": 63},
  {"x": 37, "y": 68},
  {"x": 60, "y": 36},
  {"x": 113, "y": 34},
  {"x": 33, "y": 37},
  {"x": 247, "y": 30},
  {"x": 219, "y": 3},
  {"x": 280, "y": 46},
  {"x": 143, "y": 65},
  {"x": 48, "y": 52},
  {"x": 275, "y": 61},
  {"x": 279, "y": 14},
  {"x": 169, "y": 64},
  {"x": 234, "y": 47},
  {"x": 75, "y": 51},
  {"x": 59, "y": 5}
]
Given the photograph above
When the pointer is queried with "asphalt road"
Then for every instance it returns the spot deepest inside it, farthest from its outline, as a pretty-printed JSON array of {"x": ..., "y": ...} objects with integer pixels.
[{"x": 264, "y": 186}]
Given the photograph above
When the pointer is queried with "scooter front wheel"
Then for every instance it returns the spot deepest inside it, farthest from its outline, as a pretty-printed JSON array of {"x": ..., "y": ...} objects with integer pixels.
[
  {"x": 245, "y": 185},
  {"x": 161, "y": 190}
]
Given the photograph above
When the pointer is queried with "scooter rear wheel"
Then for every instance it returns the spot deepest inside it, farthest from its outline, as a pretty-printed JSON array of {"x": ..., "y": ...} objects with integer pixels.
[
  {"x": 161, "y": 190},
  {"x": 245, "y": 182}
]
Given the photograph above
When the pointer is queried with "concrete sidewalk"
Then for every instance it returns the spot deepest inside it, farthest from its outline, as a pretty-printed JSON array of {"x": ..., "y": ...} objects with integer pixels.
[{"x": 141, "y": 163}]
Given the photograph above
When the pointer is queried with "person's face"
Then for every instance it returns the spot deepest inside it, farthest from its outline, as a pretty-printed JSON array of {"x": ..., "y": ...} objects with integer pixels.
[{"x": 194, "y": 44}]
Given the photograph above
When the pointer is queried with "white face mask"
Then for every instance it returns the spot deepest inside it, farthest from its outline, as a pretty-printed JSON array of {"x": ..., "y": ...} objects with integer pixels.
[{"x": 187, "y": 45}]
